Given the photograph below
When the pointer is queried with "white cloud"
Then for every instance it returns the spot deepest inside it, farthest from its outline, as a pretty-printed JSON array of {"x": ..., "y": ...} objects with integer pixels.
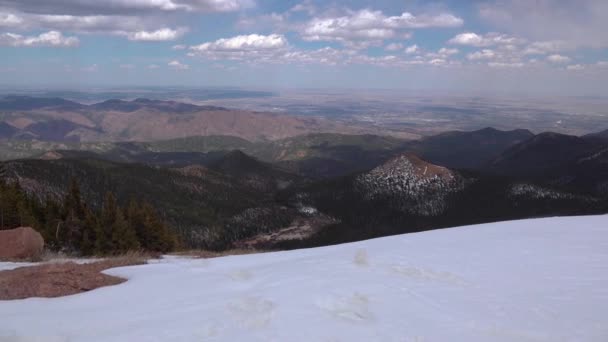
[
  {"x": 127, "y": 66},
  {"x": 483, "y": 54},
  {"x": 244, "y": 42},
  {"x": 10, "y": 20},
  {"x": 177, "y": 65},
  {"x": 437, "y": 61},
  {"x": 51, "y": 39},
  {"x": 505, "y": 65},
  {"x": 412, "y": 49},
  {"x": 122, "y": 7},
  {"x": 558, "y": 59},
  {"x": 239, "y": 47},
  {"x": 575, "y": 67},
  {"x": 163, "y": 34},
  {"x": 580, "y": 23},
  {"x": 545, "y": 47},
  {"x": 448, "y": 52},
  {"x": 153, "y": 66},
  {"x": 394, "y": 47},
  {"x": 488, "y": 39},
  {"x": 371, "y": 26},
  {"x": 443, "y": 53},
  {"x": 244, "y": 47},
  {"x": 325, "y": 56},
  {"x": 306, "y": 6},
  {"x": 179, "y": 47}
]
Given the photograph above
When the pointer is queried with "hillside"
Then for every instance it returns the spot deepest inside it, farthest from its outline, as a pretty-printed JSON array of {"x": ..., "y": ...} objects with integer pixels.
[
  {"x": 194, "y": 204},
  {"x": 541, "y": 153},
  {"x": 579, "y": 164},
  {"x": 407, "y": 194},
  {"x": 254, "y": 174},
  {"x": 507, "y": 281},
  {"x": 467, "y": 150},
  {"x": 149, "y": 120}
]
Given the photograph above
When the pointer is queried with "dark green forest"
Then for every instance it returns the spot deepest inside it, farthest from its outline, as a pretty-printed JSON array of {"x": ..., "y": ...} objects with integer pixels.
[{"x": 73, "y": 227}]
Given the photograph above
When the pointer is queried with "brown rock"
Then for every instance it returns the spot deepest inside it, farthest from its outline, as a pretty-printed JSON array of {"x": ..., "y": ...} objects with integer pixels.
[{"x": 23, "y": 243}]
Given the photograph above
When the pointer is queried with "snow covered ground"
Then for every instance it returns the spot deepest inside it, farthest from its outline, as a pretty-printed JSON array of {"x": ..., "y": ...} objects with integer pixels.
[{"x": 529, "y": 280}]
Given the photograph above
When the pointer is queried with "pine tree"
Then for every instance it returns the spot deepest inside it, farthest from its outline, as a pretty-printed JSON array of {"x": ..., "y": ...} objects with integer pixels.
[
  {"x": 89, "y": 230},
  {"x": 158, "y": 236},
  {"x": 74, "y": 216},
  {"x": 124, "y": 238},
  {"x": 103, "y": 242}
]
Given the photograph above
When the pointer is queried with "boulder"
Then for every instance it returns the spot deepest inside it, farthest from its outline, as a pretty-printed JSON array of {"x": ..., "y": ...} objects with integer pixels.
[{"x": 23, "y": 243}]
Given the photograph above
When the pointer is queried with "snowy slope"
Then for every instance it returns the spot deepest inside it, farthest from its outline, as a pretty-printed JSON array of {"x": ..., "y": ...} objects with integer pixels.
[{"x": 529, "y": 280}]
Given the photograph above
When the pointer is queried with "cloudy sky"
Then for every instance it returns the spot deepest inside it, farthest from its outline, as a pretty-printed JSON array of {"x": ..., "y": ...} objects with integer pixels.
[{"x": 536, "y": 46}]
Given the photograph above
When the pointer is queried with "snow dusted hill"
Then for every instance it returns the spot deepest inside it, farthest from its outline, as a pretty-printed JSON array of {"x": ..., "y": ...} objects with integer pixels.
[
  {"x": 529, "y": 280},
  {"x": 411, "y": 184}
]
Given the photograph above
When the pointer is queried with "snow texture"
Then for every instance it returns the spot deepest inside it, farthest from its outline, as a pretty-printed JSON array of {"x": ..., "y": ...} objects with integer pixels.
[{"x": 528, "y": 280}]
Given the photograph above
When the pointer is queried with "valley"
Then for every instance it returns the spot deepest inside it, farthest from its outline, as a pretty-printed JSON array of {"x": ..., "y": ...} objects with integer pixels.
[{"x": 309, "y": 188}]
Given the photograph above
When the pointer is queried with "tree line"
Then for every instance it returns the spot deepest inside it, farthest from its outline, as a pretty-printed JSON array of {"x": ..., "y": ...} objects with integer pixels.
[{"x": 72, "y": 226}]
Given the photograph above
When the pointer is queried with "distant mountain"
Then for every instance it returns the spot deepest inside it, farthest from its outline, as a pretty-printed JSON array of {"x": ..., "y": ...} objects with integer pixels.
[
  {"x": 150, "y": 120},
  {"x": 542, "y": 154},
  {"x": 23, "y": 103},
  {"x": 7, "y": 131},
  {"x": 599, "y": 136},
  {"x": 147, "y": 104},
  {"x": 53, "y": 130},
  {"x": 467, "y": 150}
]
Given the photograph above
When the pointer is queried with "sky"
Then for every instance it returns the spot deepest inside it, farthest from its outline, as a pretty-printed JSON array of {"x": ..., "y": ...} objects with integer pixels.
[{"x": 528, "y": 46}]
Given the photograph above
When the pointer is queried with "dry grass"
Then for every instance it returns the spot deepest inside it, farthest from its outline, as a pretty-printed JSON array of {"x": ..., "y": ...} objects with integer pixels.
[{"x": 205, "y": 254}]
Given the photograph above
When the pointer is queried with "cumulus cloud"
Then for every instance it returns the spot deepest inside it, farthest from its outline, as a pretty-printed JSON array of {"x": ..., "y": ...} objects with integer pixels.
[
  {"x": 483, "y": 54},
  {"x": 412, "y": 49},
  {"x": 443, "y": 53},
  {"x": 558, "y": 59},
  {"x": 371, "y": 25},
  {"x": 545, "y": 47},
  {"x": 394, "y": 47},
  {"x": 489, "y": 39},
  {"x": 88, "y": 7},
  {"x": 10, "y": 20},
  {"x": 50, "y": 39},
  {"x": 177, "y": 65},
  {"x": 163, "y": 34},
  {"x": 252, "y": 46},
  {"x": 244, "y": 42}
]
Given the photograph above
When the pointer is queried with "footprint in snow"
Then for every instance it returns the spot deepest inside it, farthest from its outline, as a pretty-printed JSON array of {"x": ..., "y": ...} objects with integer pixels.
[
  {"x": 353, "y": 308},
  {"x": 252, "y": 312}
]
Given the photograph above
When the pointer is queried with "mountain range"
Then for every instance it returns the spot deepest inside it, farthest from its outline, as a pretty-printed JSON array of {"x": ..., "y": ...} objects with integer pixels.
[
  {"x": 245, "y": 189},
  {"x": 56, "y": 119}
]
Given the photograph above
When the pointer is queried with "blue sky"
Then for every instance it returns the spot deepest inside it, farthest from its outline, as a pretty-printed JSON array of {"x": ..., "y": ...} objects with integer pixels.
[{"x": 541, "y": 46}]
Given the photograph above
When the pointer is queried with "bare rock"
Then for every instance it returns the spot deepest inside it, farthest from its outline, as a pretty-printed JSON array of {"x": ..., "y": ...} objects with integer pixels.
[{"x": 23, "y": 243}]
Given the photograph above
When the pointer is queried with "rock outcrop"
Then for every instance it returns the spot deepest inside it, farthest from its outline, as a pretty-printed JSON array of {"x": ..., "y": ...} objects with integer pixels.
[{"x": 23, "y": 243}]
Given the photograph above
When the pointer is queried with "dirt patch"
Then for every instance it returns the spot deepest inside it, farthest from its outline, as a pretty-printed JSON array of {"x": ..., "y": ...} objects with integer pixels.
[
  {"x": 60, "y": 279},
  {"x": 206, "y": 254}
]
